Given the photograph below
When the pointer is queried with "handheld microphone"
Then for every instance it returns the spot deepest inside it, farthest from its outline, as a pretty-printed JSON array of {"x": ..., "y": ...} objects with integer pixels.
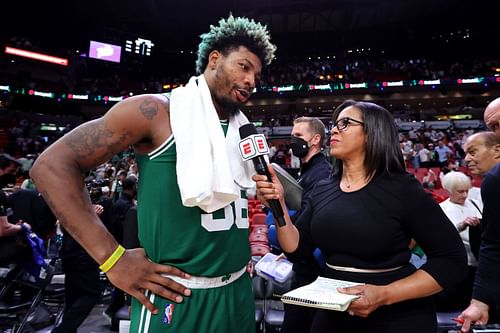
[{"x": 253, "y": 146}]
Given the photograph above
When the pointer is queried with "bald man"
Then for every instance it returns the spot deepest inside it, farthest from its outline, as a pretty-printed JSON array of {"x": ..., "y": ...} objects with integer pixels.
[
  {"x": 492, "y": 116},
  {"x": 483, "y": 158}
]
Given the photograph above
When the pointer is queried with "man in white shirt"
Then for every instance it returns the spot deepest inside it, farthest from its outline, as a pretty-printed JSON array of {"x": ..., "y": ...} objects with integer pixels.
[{"x": 424, "y": 155}]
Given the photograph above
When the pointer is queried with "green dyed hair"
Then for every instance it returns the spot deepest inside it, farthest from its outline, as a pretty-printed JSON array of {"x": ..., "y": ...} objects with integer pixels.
[{"x": 230, "y": 34}]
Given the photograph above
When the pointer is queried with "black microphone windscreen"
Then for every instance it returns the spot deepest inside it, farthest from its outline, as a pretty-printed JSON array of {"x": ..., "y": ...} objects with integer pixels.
[{"x": 247, "y": 130}]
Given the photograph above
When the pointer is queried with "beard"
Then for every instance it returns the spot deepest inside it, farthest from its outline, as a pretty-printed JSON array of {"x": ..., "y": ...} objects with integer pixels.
[{"x": 228, "y": 106}]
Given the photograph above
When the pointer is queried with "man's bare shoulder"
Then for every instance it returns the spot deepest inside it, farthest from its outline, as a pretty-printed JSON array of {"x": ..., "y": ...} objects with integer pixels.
[
  {"x": 151, "y": 111},
  {"x": 149, "y": 105}
]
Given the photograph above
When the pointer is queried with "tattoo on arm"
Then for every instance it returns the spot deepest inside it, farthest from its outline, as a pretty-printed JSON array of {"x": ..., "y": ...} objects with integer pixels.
[
  {"x": 165, "y": 103},
  {"x": 94, "y": 140},
  {"x": 86, "y": 140},
  {"x": 149, "y": 108}
]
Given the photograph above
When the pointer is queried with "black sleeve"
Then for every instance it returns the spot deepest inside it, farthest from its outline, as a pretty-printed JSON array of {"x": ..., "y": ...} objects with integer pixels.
[
  {"x": 317, "y": 173},
  {"x": 105, "y": 217},
  {"x": 486, "y": 285},
  {"x": 130, "y": 232},
  {"x": 433, "y": 231}
]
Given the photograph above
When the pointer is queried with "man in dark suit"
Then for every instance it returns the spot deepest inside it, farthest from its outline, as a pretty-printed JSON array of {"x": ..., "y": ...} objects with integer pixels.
[{"x": 483, "y": 157}]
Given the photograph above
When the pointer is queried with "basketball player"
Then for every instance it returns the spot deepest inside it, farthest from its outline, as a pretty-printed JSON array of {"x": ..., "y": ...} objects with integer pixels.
[{"x": 189, "y": 275}]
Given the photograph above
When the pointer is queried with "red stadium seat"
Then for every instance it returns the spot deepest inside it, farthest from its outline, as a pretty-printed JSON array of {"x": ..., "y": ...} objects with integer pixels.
[
  {"x": 258, "y": 238},
  {"x": 258, "y": 219},
  {"x": 259, "y": 250},
  {"x": 261, "y": 229}
]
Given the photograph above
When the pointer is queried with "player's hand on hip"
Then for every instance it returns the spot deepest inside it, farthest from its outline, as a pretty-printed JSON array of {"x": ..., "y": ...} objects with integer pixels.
[{"x": 134, "y": 273}]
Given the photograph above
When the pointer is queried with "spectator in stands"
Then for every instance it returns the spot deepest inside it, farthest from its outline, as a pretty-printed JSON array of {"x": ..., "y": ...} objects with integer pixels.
[
  {"x": 118, "y": 212},
  {"x": 116, "y": 187},
  {"x": 81, "y": 284},
  {"x": 8, "y": 170},
  {"x": 11, "y": 249},
  {"x": 483, "y": 158},
  {"x": 26, "y": 164},
  {"x": 29, "y": 206},
  {"x": 430, "y": 179},
  {"x": 434, "y": 157},
  {"x": 444, "y": 153},
  {"x": 185, "y": 223},
  {"x": 280, "y": 157},
  {"x": 363, "y": 220},
  {"x": 308, "y": 138},
  {"x": 294, "y": 163},
  {"x": 272, "y": 150},
  {"x": 407, "y": 147},
  {"x": 465, "y": 214},
  {"x": 444, "y": 170},
  {"x": 130, "y": 239},
  {"x": 424, "y": 155},
  {"x": 133, "y": 171}
]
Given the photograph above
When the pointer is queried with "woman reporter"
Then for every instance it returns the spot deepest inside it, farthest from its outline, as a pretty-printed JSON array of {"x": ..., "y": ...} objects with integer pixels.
[{"x": 363, "y": 219}]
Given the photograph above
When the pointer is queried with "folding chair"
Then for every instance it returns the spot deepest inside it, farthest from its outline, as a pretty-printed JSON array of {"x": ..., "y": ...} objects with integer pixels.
[{"x": 15, "y": 307}]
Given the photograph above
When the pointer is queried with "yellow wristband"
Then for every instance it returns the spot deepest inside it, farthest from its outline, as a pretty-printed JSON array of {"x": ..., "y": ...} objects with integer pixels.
[{"x": 113, "y": 259}]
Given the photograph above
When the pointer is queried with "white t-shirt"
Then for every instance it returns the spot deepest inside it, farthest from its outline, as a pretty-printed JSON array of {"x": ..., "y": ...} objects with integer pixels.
[{"x": 423, "y": 154}]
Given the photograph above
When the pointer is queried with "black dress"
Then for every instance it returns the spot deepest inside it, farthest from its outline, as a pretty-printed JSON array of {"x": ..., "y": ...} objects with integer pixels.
[{"x": 371, "y": 228}]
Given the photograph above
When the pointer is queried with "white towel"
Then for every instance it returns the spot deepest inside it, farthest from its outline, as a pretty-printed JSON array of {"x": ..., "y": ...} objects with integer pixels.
[{"x": 210, "y": 170}]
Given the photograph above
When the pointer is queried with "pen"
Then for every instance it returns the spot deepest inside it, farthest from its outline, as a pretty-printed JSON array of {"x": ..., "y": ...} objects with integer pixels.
[
  {"x": 281, "y": 256},
  {"x": 458, "y": 320}
]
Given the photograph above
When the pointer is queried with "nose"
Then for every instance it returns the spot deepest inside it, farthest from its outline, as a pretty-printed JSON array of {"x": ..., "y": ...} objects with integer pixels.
[
  {"x": 467, "y": 158},
  {"x": 250, "y": 81}
]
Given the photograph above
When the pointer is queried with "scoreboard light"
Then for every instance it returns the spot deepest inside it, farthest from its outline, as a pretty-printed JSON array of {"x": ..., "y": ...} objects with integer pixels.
[
  {"x": 43, "y": 94},
  {"x": 429, "y": 82},
  {"x": 473, "y": 80},
  {"x": 104, "y": 51},
  {"x": 36, "y": 56},
  {"x": 356, "y": 85},
  {"x": 80, "y": 97},
  {"x": 140, "y": 46},
  {"x": 393, "y": 84}
]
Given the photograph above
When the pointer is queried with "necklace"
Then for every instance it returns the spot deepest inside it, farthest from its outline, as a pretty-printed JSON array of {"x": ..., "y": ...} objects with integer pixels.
[{"x": 349, "y": 184}]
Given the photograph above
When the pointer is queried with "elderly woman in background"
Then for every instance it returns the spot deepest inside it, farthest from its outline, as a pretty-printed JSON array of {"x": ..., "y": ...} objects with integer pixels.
[
  {"x": 465, "y": 213},
  {"x": 363, "y": 219}
]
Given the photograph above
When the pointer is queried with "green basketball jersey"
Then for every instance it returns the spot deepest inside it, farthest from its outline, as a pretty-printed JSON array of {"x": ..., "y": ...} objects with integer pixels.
[{"x": 198, "y": 243}]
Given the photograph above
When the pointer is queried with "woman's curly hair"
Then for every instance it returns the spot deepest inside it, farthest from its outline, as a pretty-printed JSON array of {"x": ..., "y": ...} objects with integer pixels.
[{"x": 230, "y": 34}]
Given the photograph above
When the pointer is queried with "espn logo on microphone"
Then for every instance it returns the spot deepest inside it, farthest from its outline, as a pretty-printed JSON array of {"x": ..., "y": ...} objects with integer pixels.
[{"x": 253, "y": 145}]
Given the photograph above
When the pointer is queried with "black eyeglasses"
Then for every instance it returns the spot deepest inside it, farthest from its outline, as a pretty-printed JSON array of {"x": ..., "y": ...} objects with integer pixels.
[{"x": 342, "y": 123}]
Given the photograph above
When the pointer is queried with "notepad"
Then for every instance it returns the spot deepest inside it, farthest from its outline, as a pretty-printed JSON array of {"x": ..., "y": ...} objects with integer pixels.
[{"x": 323, "y": 294}]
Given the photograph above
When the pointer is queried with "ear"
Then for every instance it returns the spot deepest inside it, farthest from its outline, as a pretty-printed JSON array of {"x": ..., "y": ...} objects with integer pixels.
[
  {"x": 315, "y": 139},
  {"x": 213, "y": 58},
  {"x": 496, "y": 152}
]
